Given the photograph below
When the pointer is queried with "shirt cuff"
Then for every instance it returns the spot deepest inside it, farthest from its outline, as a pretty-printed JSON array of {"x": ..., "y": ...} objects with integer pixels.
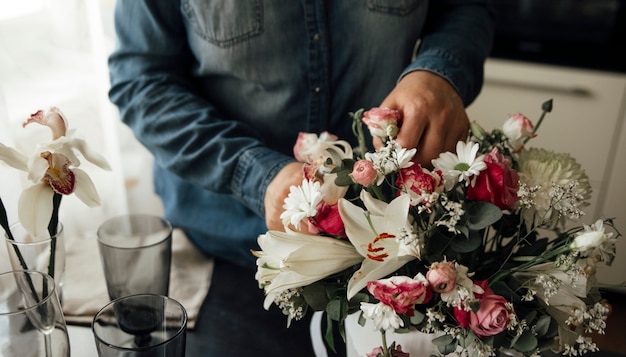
[
  {"x": 451, "y": 68},
  {"x": 256, "y": 168}
]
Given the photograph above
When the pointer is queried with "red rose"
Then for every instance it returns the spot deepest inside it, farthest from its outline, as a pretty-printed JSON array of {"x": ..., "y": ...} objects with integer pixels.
[
  {"x": 327, "y": 220},
  {"x": 498, "y": 184}
]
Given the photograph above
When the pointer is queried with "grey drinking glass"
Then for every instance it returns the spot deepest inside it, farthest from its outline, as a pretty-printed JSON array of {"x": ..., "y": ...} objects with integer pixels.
[
  {"x": 136, "y": 254},
  {"x": 141, "y": 325}
]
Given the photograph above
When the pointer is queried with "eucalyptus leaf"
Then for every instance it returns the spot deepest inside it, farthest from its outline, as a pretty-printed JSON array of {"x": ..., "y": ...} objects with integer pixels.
[
  {"x": 543, "y": 325},
  {"x": 443, "y": 340},
  {"x": 461, "y": 244},
  {"x": 417, "y": 317},
  {"x": 343, "y": 179},
  {"x": 335, "y": 309},
  {"x": 526, "y": 342},
  {"x": 315, "y": 296},
  {"x": 482, "y": 214}
]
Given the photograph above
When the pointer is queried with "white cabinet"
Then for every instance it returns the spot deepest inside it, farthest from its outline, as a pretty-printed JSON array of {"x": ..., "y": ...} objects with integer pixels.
[{"x": 587, "y": 121}]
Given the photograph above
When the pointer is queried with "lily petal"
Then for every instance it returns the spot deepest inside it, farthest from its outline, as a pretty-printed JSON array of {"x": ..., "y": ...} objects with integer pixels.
[
  {"x": 35, "y": 208},
  {"x": 292, "y": 259},
  {"x": 373, "y": 235}
]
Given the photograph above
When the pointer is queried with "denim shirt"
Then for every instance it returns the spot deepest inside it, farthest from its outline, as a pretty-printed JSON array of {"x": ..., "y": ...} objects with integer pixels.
[{"x": 218, "y": 90}]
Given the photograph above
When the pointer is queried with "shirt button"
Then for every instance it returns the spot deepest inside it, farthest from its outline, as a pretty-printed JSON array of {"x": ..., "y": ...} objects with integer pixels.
[
  {"x": 316, "y": 37},
  {"x": 317, "y": 89}
]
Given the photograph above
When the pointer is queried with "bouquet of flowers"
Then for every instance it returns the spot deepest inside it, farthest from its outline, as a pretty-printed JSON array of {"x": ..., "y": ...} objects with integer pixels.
[{"x": 481, "y": 250}]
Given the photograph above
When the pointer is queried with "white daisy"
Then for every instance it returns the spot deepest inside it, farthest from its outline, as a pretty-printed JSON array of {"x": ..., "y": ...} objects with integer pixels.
[
  {"x": 302, "y": 202},
  {"x": 460, "y": 166}
]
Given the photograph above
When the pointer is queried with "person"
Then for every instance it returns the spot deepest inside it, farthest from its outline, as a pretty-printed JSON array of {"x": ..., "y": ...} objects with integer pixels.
[{"x": 218, "y": 91}]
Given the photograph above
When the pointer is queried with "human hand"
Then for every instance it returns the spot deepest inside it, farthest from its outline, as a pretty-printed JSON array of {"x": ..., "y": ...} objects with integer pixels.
[
  {"x": 277, "y": 191},
  {"x": 433, "y": 115}
]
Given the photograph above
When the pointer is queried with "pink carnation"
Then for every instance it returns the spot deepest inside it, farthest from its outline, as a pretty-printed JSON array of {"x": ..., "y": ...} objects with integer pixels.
[
  {"x": 401, "y": 292},
  {"x": 419, "y": 182}
]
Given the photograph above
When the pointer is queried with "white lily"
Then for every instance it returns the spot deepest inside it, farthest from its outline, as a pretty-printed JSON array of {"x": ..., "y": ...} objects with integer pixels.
[
  {"x": 375, "y": 234},
  {"x": 292, "y": 259},
  {"x": 52, "y": 169}
]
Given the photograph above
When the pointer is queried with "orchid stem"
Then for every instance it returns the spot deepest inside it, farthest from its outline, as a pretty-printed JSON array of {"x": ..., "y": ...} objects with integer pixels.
[{"x": 4, "y": 222}]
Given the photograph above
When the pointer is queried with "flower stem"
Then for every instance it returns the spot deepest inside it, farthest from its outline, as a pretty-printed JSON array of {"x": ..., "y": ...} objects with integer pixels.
[
  {"x": 386, "y": 352},
  {"x": 53, "y": 230},
  {"x": 4, "y": 222}
]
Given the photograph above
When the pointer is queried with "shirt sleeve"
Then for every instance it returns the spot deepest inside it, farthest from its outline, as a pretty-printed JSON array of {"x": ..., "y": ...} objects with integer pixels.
[
  {"x": 458, "y": 37},
  {"x": 152, "y": 85}
]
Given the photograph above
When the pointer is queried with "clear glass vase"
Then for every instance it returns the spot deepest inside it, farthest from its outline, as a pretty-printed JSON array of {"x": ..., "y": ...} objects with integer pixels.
[
  {"x": 42, "y": 253},
  {"x": 31, "y": 319}
]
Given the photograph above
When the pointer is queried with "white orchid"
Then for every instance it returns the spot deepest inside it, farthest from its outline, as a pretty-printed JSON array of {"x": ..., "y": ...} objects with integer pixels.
[
  {"x": 376, "y": 234},
  {"x": 292, "y": 259},
  {"x": 52, "y": 169}
]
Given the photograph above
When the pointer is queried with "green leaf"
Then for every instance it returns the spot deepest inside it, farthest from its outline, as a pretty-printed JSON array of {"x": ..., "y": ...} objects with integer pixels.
[
  {"x": 445, "y": 344},
  {"x": 462, "y": 244},
  {"x": 526, "y": 342},
  {"x": 335, "y": 309},
  {"x": 466, "y": 341},
  {"x": 543, "y": 325},
  {"x": 417, "y": 317},
  {"x": 482, "y": 214},
  {"x": 443, "y": 340},
  {"x": 315, "y": 295}
]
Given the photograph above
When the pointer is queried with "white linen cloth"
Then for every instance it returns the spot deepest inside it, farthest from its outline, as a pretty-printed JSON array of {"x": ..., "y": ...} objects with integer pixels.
[{"x": 85, "y": 292}]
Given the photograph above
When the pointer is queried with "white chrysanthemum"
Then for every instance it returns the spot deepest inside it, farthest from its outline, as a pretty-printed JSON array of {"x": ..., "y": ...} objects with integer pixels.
[
  {"x": 301, "y": 203},
  {"x": 550, "y": 171},
  {"x": 383, "y": 316},
  {"x": 460, "y": 166}
]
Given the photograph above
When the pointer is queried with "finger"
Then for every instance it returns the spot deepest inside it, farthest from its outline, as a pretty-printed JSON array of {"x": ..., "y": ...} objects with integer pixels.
[
  {"x": 431, "y": 145},
  {"x": 413, "y": 129}
]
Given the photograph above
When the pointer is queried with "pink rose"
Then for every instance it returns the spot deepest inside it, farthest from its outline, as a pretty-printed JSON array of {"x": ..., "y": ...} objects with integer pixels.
[
  {"x": 364, "y": 173},
  {"x": 401, "y": 292},
  {"x": 327, "y": 220},
  {"x": 497, "y": 184},
  {"x": 419, "y": 182},
  {"x": 517, "y": 128},
  {"x": 492, "y": 316},
  {"x": 382, "y": 122},
  {"x": 442, "y": 277}
]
